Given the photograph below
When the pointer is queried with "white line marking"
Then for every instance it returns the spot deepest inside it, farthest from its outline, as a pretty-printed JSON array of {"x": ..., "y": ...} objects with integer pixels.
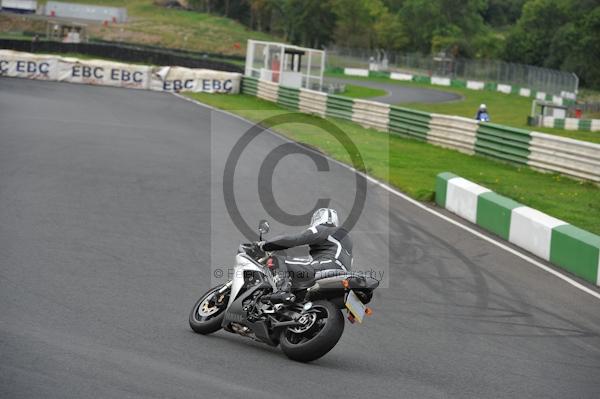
[{"x": 534, "y": 262}]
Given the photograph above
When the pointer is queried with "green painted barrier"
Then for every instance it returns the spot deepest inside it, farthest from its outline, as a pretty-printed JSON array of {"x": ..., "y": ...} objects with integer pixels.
[
  {"x": 249, "y": 86},
  {"x": 422, "y": 79},
  {"x": 288, "y": 97},
  {"x": 494, "y": 212},
  {"x": 409, "y": 123},
  {"x": 339, "y": 107},
  {"x": 458, "y": 83},
  {"x": 585, "y": 125},
  {"x": 379, "y": 74},
  {"x": 441, "y": 187},
  {"x": 503, "y": 142},
  {"x": 576, "y": 250}
]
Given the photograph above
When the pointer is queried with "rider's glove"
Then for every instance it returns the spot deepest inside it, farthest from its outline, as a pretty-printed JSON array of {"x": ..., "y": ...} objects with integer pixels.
[{"x": 259, "y": 245}]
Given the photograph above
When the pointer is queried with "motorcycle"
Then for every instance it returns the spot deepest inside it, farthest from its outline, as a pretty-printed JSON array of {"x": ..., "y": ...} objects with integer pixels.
[
  {"x": 483, "y": 117},
  {"x": 306, "y": 323}
]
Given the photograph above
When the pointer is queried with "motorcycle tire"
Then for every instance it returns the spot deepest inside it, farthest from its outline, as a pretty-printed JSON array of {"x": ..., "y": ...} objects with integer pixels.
[
  {"x": 207, "y": 323},
  {"x": 320, "y": 341}
]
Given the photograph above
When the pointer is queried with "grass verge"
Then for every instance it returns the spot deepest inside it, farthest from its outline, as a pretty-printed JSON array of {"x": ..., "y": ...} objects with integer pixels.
[
  {"x": 505, "y": 109},
  {"x": 354, "y": 91},
  {"x": 413, "y": 165}
]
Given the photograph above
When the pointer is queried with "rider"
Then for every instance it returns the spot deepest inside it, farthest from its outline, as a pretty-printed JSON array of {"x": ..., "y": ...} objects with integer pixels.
[
  {"x": 330, "y": 247},
  {"x": 482, "y": 114}
]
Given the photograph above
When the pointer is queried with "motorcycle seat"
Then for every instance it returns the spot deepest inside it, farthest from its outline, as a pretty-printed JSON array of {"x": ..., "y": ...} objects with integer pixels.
[{"x": 321, "y": 274}]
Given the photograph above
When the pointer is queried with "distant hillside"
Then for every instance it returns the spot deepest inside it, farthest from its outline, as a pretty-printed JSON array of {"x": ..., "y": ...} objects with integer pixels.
[{"x": 169, "y": 27}]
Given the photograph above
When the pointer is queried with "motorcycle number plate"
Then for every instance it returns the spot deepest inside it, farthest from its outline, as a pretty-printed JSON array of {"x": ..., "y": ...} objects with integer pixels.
[{"x": 355, "y": 306}]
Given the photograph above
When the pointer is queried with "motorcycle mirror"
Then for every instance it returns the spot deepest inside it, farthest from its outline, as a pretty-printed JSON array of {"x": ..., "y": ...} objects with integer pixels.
[{"x": 263, "y": 227}]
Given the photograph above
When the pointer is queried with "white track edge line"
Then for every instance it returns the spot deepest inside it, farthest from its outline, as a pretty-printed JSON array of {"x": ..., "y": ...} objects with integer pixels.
[{"x": 392, "y": 190}]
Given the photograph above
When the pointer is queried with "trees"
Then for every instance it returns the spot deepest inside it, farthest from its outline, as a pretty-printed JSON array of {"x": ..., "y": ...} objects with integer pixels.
[
  {"x": 561, "y": 34},
  {"x": 306, "y": 22},
  {"x": 529, "y": 41},
  {"x": 499, "y": 13}
]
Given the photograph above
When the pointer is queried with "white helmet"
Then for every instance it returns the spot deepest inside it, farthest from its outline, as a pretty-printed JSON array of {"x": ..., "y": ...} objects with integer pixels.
[
  {"x": 324, "y": 216},
  {"x": 482, "y": 106}
]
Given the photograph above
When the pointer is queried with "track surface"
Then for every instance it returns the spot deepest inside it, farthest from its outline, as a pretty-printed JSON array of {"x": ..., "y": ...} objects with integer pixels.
[
  {"x": 105, "y": 228},
  {"x": 398, "y": 94}
]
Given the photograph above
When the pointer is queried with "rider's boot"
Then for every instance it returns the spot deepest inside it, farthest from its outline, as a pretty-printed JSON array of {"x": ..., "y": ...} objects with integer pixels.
[{"x": 282, "y": 295}]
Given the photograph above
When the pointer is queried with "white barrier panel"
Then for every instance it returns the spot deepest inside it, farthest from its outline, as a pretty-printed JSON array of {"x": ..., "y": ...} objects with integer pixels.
[
  {"x": 524, "y": 92},
  {"x": 571, "y": 123},
  {"x": 267, "y": 90},
  {"x": 107, "y": 73},
  {"x": 475, "y": 85},
  {"x": 506, "y": 89},
  {"x": 356, "y": 72},
  {"x": 453, "y": 132},
  {"x": 541, "y": 96},
  {"x": 461, "y": 198},
  {"x": 401, "y": 76},
  {"x": 175, "y": 79},
  {"x": 531, "y": 229},
  {"x": 436, "y": 80},
  {"x": 29, "y": 66},
  {"x": 558, "y": 100},
  {"x": 560, "y": 154},
  {"x": 312, "y": 102},
  {"x": 103, "y": 73},
  {"x": 371, "y": 114},
  {"x": 547, "y": 121},
  {"x": 595, "y": 125},
  {"x": 568, "y": 94}
]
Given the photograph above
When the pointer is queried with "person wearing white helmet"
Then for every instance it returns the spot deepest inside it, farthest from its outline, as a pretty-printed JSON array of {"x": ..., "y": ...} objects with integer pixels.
[
  {"x": 482, "y": 114},
  {"x": 330, "y": 247}
]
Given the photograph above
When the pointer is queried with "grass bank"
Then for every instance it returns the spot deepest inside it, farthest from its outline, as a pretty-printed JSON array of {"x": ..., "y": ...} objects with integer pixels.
[
  {"x": 505, "y": 109},
  {"x": 166, "y": 27},
  {"x": 413, "y": 165}
]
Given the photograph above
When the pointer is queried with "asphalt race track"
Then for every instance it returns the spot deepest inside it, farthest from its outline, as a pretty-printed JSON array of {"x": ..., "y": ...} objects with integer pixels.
[
  {"x": 397, "y": 94},
  {"x": 105, "y": 235}
]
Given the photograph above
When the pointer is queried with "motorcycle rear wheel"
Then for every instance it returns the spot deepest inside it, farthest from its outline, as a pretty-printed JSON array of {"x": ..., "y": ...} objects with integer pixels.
[
  {"x": 206, "y": 316},
  {"x": 318, "y": 338}
]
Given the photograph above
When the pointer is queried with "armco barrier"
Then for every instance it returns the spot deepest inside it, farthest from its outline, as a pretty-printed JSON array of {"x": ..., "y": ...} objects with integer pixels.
[
  {"x": 502, "y": 142},
  {"x": 267, "y": 91},
  {"x": 567, "y": 246},
  {"x": 313, "y": 102},
  {"x": 288, "y": 97},
  {"x": 105, "y": 73},
  {"x": 127, "y": 52},
  {"x": 543, "y": 152},
  {"x": 453, "y": 132},
  {"x": 371, "y": 114},
  {"x": 339, "y": 107},
  {"x": 409, "y": 123},
  {"x": 567, "y": 156},
  {"x": 249, "y": 86}
]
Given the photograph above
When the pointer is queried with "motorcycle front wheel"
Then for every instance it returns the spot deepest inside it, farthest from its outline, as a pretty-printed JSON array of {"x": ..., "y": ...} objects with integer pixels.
[
  {"x": 317, "y": 336},
  {"x": 208, "y": 312}
]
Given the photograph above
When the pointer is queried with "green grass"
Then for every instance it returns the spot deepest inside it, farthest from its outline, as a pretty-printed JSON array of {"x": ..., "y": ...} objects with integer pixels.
[
  {"x": 505, "y": 109},
  {"x": 152, "y": 24},
  {"x": 411, "y": 165},
  {"x": 362, "y": 92}
]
